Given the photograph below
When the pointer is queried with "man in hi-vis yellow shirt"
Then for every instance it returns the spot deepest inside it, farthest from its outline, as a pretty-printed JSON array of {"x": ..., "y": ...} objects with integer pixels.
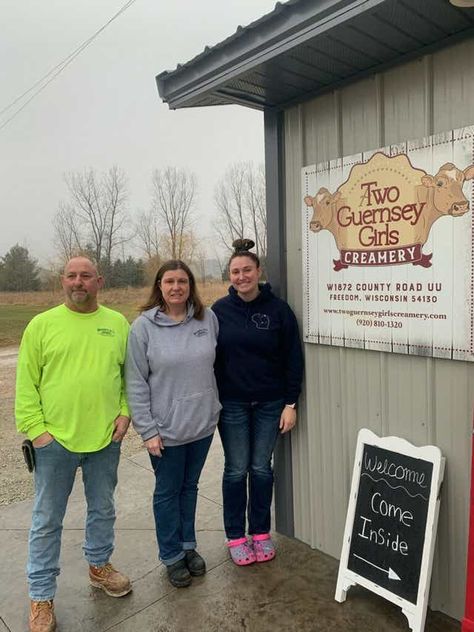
[{"x": 70, "y": 403}]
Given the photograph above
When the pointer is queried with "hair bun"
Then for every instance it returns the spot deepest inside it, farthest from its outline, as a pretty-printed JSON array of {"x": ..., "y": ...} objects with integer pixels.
[{"x": 242, "y": 245}]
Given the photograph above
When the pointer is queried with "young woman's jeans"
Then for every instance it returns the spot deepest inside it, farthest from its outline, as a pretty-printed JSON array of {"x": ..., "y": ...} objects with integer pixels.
[
  {"x": 177, "y": 474},
  {"x": 249, "y": 431},
  {"x": 55, "y": 472}
]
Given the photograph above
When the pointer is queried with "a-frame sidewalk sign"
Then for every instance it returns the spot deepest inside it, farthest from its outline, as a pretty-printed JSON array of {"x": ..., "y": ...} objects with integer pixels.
[{"x": 391, "y": 523}]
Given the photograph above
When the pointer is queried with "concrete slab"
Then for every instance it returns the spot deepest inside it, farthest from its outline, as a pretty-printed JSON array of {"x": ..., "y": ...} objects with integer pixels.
[
  {"x": 3, "y": 627},
  {"x": 294, "y": 592}
]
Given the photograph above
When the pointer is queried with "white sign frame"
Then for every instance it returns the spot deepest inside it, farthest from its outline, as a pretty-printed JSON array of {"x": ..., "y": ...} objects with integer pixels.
[
  {"x": 415, "y": 613},
  {"x": 400, "y": 308}
]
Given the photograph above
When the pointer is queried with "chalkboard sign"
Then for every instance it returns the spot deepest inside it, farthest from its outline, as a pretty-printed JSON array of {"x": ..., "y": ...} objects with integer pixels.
[{"x": 391, "y": 522}]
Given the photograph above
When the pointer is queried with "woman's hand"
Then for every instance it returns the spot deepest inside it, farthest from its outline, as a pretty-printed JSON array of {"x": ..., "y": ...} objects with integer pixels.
[
  {"x": 154, "y": 445},
  {"x": 287, "y": 419}
]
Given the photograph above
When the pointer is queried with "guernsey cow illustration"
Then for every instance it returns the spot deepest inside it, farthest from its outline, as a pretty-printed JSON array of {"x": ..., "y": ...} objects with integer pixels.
[{"x": 383, "y": 213}]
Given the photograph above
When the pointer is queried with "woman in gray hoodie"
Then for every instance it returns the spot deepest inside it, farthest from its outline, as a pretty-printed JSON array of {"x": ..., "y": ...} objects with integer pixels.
[{"x": 173, "y": 398}]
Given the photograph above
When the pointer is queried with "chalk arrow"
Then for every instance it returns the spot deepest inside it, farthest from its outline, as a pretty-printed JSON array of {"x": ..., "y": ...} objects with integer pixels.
[{"x": 390, "y": 572}]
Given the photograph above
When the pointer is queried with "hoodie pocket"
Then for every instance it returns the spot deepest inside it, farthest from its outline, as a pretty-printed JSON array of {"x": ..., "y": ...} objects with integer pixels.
[{"x": 191, "y": 417}]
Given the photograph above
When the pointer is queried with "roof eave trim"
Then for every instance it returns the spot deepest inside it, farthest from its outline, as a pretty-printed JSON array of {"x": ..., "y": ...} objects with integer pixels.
[{"x": 178, "y": 88}]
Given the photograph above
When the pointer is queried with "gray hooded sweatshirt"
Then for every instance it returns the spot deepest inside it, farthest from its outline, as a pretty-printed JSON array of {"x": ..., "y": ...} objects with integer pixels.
[{"x": 169, "y": 374}]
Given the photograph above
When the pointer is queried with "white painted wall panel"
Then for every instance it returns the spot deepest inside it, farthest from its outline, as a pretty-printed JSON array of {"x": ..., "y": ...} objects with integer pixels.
[
  {"x": 406, "y": 112},
  {"x": 453, "y": 87},
  {"x": 424, "y": 400},
  {"x": 360, "y": 119}
]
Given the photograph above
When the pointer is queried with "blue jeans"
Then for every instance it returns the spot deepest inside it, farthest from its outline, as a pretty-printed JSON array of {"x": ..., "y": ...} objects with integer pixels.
[
  {"x": 249, "y": 431},
  {"x": 177, "y": 474},
  {"x": 54, "y": 477}
]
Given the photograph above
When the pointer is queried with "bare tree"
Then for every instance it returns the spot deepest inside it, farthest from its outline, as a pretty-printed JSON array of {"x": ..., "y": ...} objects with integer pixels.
[
  {"x": 148, "y": 234},
  {"x": 200, "y": 265},
  {"x": 115, "y": 197},
  {"x": 229, "y": 199},
  {"x": 188, "y": 247},
  {"x": 96, "y": 213},
  {"x": 255, "y": 202},
  {"x": 173, "y": 193},
  {"x": 67, "y": 235},
  {"x": 240, "y": 200},
  {"x": 150, "y": 268},
  {"x": 222, "y": 263}
]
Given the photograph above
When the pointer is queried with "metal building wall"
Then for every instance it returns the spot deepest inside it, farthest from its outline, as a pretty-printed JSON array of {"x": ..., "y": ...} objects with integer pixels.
[{"x": 425, "y": 400}]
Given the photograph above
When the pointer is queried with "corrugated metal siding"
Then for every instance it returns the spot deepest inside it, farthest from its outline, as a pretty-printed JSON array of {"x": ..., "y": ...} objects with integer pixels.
[{"x": 421, "y": 399}]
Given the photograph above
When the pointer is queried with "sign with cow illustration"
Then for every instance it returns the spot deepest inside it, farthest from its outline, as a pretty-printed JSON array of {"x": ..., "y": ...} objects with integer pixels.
[{"x": 388, "y": 248}]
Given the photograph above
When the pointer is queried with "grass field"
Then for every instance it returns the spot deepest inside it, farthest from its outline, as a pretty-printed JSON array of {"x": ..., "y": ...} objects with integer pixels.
[{"x": 17, "y": 309}]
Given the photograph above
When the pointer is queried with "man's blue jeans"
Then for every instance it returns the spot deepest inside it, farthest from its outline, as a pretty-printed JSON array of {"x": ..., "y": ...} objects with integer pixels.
[
  {"x": 249, "y": 431},
  {"x": 54, "y": 477},
  {"x": 177, "y": 473}
]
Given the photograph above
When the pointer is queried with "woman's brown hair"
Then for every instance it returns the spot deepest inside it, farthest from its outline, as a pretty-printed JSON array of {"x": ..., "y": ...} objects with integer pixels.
[
  {"x": 156, "y": 296},
  {"x": 242, "y": 249}
]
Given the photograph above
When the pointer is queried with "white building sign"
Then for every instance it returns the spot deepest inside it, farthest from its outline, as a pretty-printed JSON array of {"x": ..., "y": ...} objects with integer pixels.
[{"x": 388, "y": 248}]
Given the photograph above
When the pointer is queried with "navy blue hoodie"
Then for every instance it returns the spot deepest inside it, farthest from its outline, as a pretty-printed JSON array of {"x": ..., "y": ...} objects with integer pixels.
[{"x": 259, "y": 355}]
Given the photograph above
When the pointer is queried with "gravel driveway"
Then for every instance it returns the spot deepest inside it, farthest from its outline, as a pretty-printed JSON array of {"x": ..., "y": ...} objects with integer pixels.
[{"x": 16, "y": 483}]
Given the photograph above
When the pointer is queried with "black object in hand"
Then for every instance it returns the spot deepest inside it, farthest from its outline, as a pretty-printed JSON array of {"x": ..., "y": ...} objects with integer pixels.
[{"x": 28, "y": 454}]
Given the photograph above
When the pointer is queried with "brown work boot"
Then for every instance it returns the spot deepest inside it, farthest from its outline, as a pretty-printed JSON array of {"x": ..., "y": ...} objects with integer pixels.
[
  {"x": 110, "y": 580},
  {"x": 42, "y": 617}
]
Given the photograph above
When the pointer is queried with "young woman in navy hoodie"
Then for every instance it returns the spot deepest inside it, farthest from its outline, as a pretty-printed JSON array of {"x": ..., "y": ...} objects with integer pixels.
[{"x": 259, "y": 368}]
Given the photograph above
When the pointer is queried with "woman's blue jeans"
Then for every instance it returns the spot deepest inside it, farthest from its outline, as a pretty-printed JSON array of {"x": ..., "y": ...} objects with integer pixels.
[
  {"x": 249, "y": 431},
  {"x": 177, "y": 473},
  {"x": 55, "y": 472}
]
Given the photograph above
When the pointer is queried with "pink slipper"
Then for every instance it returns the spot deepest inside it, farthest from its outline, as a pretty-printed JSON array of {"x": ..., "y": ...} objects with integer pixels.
[
  {"x": 241, "y": 551},
  {"x": 263, "y": 547}
]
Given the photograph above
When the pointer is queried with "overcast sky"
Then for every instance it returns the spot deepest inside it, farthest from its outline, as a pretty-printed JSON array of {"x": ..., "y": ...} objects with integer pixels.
[{"x": 104, "y": 108}]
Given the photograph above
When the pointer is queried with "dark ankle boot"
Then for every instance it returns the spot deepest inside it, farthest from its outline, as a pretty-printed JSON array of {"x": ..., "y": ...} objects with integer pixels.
[
  {"x": 195, "y": 563},
  {"x": 178, "y": 574}
]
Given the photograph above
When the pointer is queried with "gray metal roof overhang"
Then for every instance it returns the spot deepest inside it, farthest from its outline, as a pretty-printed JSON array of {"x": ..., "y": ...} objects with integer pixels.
[{"x": 306, "y": 47}]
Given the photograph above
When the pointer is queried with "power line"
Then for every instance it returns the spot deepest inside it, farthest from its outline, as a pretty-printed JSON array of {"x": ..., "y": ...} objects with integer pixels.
[
  {"x": 46, "y": 79},
  {"x": 69, "y": 58}
]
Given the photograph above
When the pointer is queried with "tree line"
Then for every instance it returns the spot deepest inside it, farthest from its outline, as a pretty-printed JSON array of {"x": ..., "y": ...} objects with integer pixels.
[
  {"x": 95, "y": 220},
  {"x": 19, "y": 272}
]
